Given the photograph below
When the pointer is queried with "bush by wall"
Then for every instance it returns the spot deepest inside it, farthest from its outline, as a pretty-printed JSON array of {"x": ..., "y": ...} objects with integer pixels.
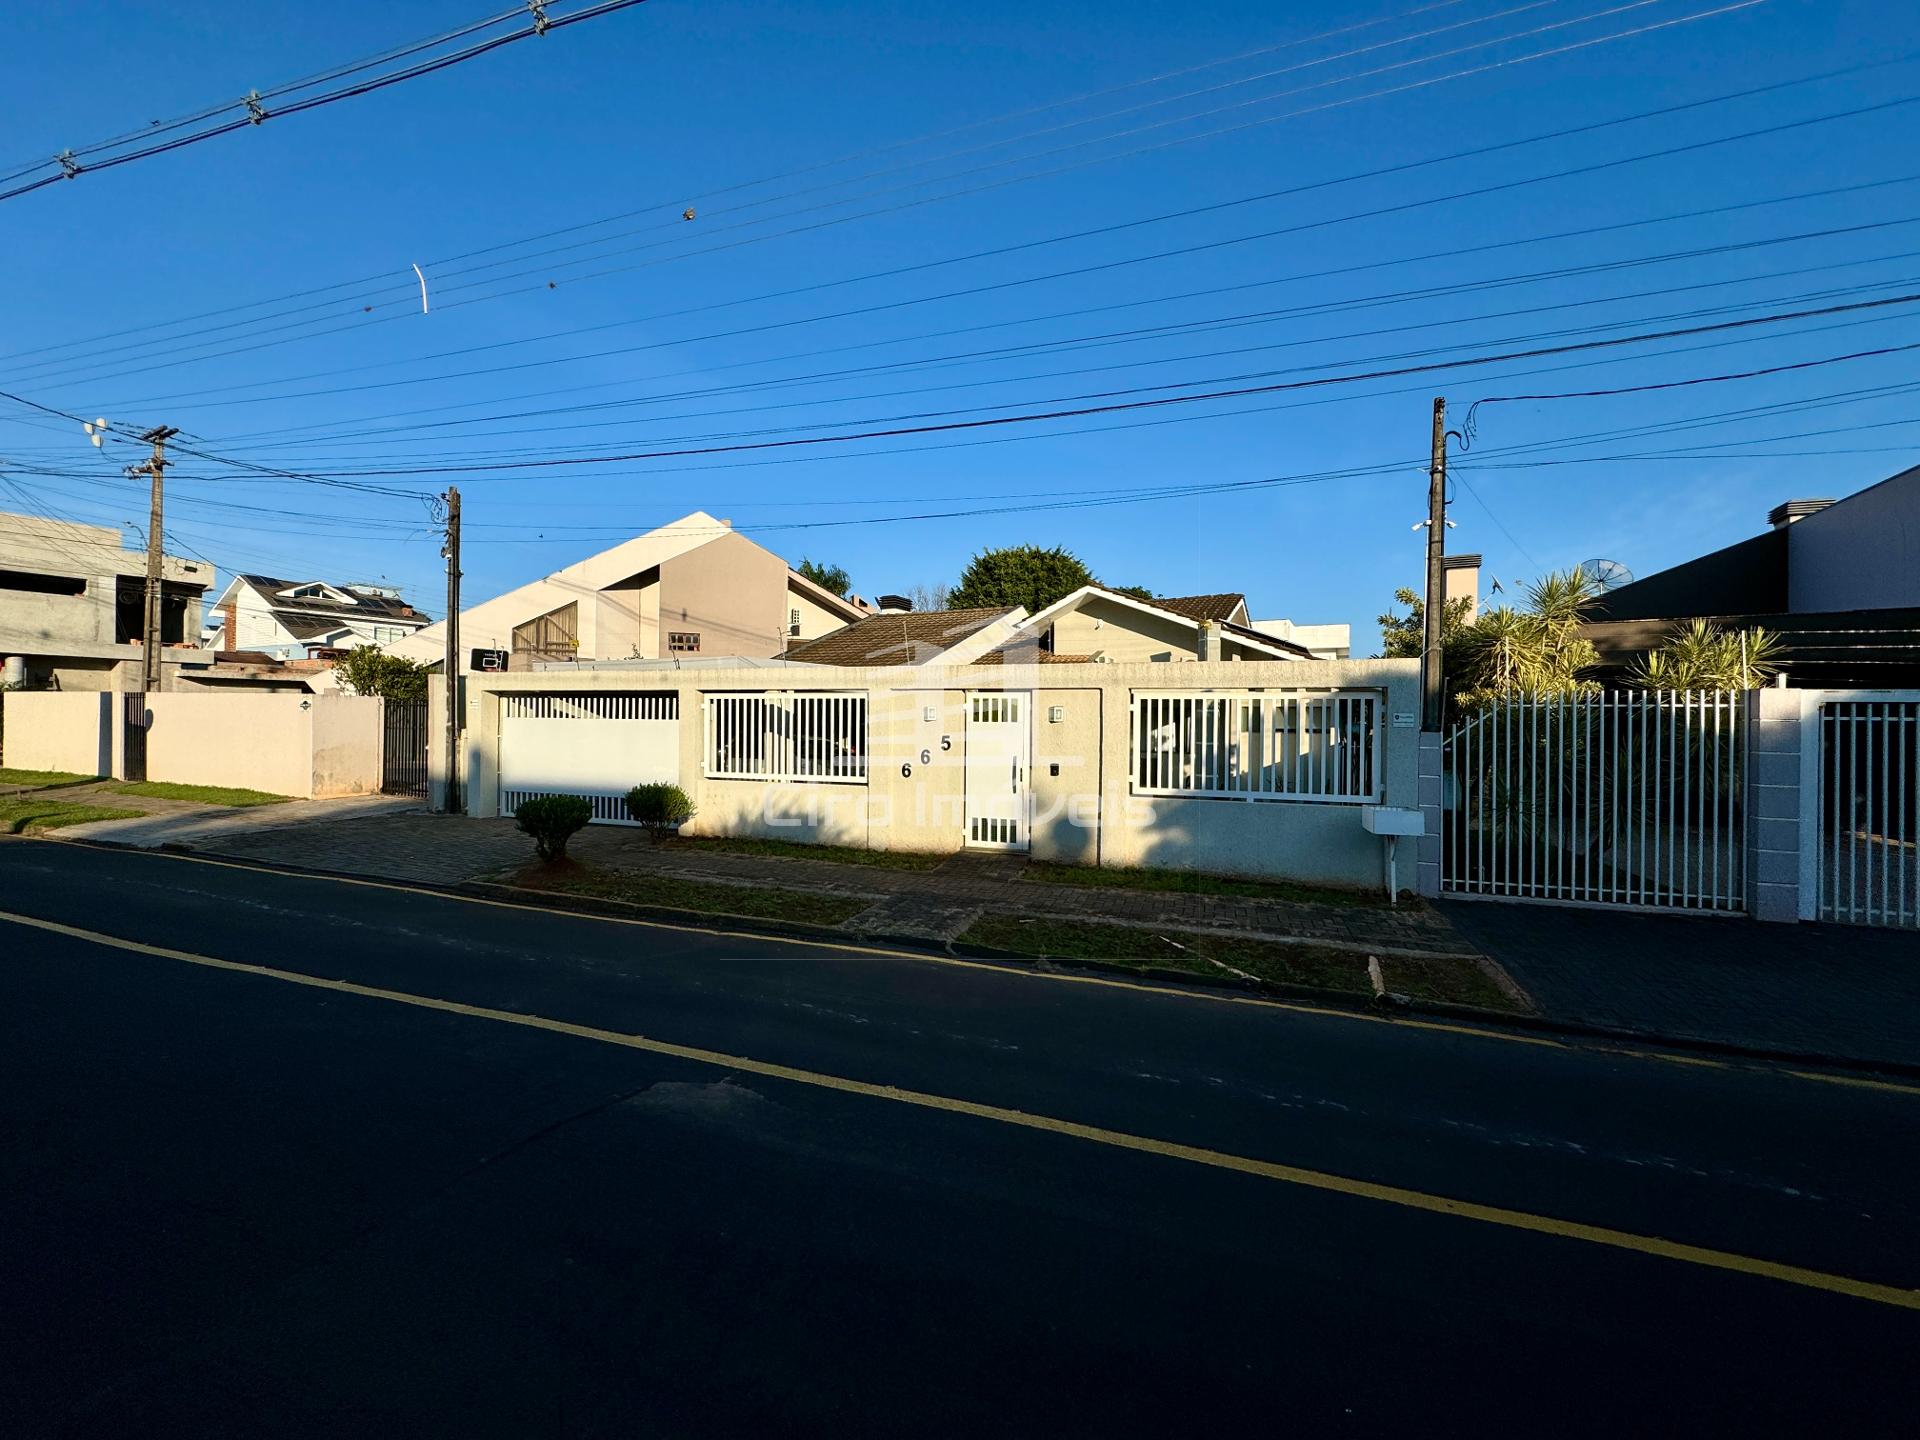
[
  {"x": 659, "y": 808},
  {"x": 552, "y": 820}
]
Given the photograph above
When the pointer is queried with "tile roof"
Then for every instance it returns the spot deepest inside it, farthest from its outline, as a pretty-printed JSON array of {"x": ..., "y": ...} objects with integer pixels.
[
  {"x": 903, "y": 639},
  {"x": 1201, "y": 607},
  {"x": 1274, "y": 640}
]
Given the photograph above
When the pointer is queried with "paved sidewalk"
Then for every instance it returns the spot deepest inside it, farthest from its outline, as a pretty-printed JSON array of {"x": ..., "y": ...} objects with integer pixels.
[
  {"x": 207, "y": 827},
  {"x": 1822, "y": 990}
]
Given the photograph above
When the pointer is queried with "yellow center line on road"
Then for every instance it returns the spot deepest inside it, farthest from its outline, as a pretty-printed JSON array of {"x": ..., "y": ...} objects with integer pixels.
[{"x": 1906, "y": 1299}]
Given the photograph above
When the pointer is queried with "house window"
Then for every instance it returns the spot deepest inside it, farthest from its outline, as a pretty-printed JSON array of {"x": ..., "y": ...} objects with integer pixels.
[
  {"x": 553, "y": 636},
  {"x": 683, "y": 642}
]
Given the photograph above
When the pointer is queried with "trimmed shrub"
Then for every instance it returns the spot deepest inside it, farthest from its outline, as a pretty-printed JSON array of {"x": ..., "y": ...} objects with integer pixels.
[
  {"x": 551, "y": 821},
  {"x": 659, "y": 808}
]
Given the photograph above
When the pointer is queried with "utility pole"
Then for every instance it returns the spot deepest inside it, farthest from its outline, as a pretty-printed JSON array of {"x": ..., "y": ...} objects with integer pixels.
[
  {"x": 1431, "y": 677},
  {"x": 452, "y": 663},
  {"x": 150, "y": 630}
]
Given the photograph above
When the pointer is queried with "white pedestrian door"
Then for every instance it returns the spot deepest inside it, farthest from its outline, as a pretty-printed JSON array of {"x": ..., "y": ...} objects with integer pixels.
[{"x": 999, "y": 747}]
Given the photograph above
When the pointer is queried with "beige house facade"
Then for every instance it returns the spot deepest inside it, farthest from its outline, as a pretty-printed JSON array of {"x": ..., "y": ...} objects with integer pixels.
[{"x": 691, "y": 589}]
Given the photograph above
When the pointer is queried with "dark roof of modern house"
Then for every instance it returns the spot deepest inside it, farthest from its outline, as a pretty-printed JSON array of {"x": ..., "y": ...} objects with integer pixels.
[
  {"x": 899, "y": 639},
  {"x": 308, "y": 627},
  {"x": 1248, "y": 632},
  {"x": 365, "y": 604}
]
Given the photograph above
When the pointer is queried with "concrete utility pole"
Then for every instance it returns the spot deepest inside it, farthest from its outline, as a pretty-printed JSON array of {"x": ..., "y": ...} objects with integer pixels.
[
  {"x": 1431, "y": 677},
  {"x": 150, "y": 629},
  {"x": 452, "y": 662}
]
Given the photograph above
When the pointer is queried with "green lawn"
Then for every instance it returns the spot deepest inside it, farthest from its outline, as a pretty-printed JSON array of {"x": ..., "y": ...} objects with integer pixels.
[
  {"x": 1459, "y": 982},
  {"x": 199, "y": 794},
  {"x": 1187, "y": 883},
  {"x": 42, "y": 779},
  {"x": 800, "y": 850},
  {"x": 756, "y": 902},
  {"x": 22, "y": 815}
]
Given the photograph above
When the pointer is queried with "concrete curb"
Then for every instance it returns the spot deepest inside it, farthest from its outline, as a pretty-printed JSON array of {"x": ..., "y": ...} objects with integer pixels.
[{"x": 754, "y": 927}]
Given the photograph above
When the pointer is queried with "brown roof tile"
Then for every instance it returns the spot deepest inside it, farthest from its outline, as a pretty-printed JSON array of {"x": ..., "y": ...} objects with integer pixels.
[
  {"x": 902, "y": 639},
  {"x": 1201, "y": 607}
]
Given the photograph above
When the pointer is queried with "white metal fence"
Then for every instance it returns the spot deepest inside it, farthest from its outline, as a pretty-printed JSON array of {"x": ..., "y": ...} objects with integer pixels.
[
  {"x": 1622, "y": 798},
  {"x": 1869, "y": 808},
  {"x": 1258, "y": 745},
  {"x": 787, "y": 735},
  {"x": 591, "y": 705}
]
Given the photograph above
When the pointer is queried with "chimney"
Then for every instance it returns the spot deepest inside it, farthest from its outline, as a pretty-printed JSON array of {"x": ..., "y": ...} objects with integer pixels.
[
  {"x": 1209, "y": 640},
  {"x": 1463, "y": 581},
  {"x": 230, "y": 632},
  {"x": 895, "y": 605},
  {"x": 1787, "y": 513}
]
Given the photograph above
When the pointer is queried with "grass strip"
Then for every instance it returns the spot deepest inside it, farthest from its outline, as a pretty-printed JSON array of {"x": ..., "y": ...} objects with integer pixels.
[
  {"x": 800, "y": 850},
  {"x": 26, "y": 815},
  {"x": 198, "y": 794},
  {"x": 1456, "y": 982},
  {"x": 1185, "y": 882}
]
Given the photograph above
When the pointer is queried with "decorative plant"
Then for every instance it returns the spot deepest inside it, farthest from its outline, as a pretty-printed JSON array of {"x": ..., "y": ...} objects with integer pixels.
[
  {"x": 552, "y": 820},
  {"x": 659, "y": 808}
]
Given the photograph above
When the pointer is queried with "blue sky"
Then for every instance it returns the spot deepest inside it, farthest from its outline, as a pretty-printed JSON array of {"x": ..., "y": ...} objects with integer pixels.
[{"x": 153, "y": 293}]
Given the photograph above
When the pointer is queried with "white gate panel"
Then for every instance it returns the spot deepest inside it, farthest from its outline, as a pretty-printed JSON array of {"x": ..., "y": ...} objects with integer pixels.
[
  {"x": 1869, "y": 809},
  {"x": 597, "y": 745},
  {"x": 1630, "y": 798}
]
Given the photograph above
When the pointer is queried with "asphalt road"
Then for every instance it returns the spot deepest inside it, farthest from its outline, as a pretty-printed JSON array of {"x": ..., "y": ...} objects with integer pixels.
[{"x": 922, "y": 1197}]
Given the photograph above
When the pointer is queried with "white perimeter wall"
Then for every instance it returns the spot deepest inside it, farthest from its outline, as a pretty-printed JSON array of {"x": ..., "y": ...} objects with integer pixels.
[
  {"x": 1086, "y": 814},
  {"x": 48, "y": 730}
]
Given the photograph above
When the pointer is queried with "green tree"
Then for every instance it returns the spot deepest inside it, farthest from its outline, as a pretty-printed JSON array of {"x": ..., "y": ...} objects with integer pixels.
[
  {"x": 1138, "y": 592},
  {"x": 1535, "y": 650},
  {"x": 369, "y": 670},
  {"x": 1403, "y": 637},
  {"x": 1019, "y": 575},
  {"x": 1702, "y": 656},
  {"x": 827, "y": 577}
]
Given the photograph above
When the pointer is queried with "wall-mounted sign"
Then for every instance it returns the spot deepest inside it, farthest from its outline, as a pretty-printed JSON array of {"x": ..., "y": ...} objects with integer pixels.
[
  {"x": 488, "y": 660},
  {"x": 1406, "y": 720}
]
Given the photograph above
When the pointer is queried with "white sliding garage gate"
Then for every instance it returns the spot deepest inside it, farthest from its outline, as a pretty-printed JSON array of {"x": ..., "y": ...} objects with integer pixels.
[{"x": 596, "y": 744}]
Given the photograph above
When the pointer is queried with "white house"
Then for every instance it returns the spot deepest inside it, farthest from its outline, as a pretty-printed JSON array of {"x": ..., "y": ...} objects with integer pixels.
[{"x": 302, "y": 619}]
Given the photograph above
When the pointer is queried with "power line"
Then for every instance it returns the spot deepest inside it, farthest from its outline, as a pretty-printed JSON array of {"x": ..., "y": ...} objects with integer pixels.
[
  {"x": 70, "y": 168},
  {"x": 1142, "y": 404},
  {"x": 1184, "y": 214}
]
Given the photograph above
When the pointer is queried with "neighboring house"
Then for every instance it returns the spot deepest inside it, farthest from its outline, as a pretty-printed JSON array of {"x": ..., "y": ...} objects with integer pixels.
[
  {"x": 692, "y": 589},
  {"x": 1323, "y": 642},
  {"x": 285, "y": 620},
  {"x": 914, "y": 637},
  {"x": 1838, "y": 581},
  {"x": 73, "y": 606},
  {"x": 1093, "y": 624}
]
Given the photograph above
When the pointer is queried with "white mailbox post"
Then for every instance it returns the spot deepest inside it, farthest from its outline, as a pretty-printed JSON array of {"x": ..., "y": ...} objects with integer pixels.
[{"x": 1390, "y": 822}]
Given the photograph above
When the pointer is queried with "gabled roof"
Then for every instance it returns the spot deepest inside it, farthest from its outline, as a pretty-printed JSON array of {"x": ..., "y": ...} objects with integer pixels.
[
  {"x": 358, "y": 604},
  {"x": 911, "y": 638},
  {"x": 1245, "y": 634},
  {"x": 1203, "y": 607},
  {"x": 823, "y": 597}
]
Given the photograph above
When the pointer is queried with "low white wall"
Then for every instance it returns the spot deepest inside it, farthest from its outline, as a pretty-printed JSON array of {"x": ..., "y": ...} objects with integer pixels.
[
  {"x": 308, "y": 746},
  {"x": 48, "y": 730},
  {"x": 1086, "y": 813}
]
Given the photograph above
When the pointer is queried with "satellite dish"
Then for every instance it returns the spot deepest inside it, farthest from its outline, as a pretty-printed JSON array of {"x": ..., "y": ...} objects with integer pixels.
[{"x": 1607, "y": 574}]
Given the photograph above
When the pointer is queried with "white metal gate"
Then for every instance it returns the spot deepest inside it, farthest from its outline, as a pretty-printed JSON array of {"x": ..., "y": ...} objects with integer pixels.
[
  {"x": 597, "y": 744},
  {"x": 1869, "y": 808},
  {"x": 1629, "y": 798},
  {"x": 999, "y": 750}
]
